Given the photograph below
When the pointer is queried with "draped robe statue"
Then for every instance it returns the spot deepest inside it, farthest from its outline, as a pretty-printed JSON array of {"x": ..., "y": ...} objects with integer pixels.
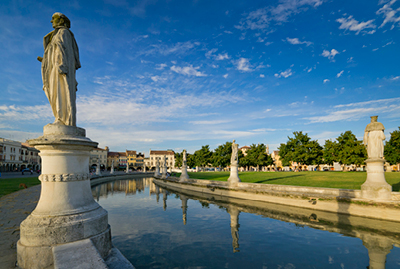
[
  {"x": 234, "y": 156},
  {"x": 59, "y": 64},
  {"x": 373, "y": 139}
]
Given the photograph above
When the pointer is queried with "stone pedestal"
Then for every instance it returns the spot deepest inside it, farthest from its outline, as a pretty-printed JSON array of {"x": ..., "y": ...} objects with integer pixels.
[
  {"x": 234, "y": 176},
  {"x": 66, "y": 211},
  {"x": 184, "y": 175},
  {"x": 375, "y": 187}
]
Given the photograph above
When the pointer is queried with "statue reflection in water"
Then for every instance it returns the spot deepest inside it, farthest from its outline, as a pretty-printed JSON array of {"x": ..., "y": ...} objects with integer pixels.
[{"x": 379, "y": 245}]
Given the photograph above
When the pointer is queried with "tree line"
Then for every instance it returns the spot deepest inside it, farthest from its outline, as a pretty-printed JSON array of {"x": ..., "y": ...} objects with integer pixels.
[
  {"x": 345, "y": 149},
  {"x": 221, "y": 157}
]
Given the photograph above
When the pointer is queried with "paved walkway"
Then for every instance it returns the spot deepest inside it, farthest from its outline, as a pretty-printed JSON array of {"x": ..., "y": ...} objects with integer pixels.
[{"x": 14, "y": 208}]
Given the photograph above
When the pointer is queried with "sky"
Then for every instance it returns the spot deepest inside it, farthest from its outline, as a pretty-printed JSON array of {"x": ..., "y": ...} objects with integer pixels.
[{"x": 179, "y": 74}]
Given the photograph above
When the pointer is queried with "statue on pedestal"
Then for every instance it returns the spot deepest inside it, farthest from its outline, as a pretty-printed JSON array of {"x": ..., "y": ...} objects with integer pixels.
[
  {"x": 373, "y": 138},
  {"x": 234, "y": 156},
  {"x": 59, "y": 64}
]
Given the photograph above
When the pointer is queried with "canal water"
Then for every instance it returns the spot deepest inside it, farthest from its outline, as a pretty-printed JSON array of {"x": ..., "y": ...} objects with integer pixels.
[{"x": 156, "y": 227}]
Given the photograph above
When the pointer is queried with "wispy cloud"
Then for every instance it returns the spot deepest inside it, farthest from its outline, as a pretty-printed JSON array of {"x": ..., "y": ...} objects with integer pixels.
[
  {"x": 296, "y": 41},
  {"x": 188, "y": 71},
  {"x": 177, "y": 49},
  {"x": 243, "y": 65},
  {"x": 326, "y": 81},
  {"x": 338, "y": 75},
  {"x": 351, "y": 24},
  {"x": 390, "y": 14},
  {"x": 355, "y": 111},
  {"x": 330, "y": 54},
  {"x": 260, "y": 19},
  {"x": 285, "y": 74}
]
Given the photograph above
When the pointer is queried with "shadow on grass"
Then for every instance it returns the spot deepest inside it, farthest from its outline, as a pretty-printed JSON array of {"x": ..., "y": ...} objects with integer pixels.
[
  {"x": 276, "y": 178},
  {"x": 396, "y": 187}
]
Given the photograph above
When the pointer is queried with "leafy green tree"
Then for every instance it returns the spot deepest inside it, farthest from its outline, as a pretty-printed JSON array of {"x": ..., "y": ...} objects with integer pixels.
[
  {"x": 190, "y": 160},
  {"x": 202, "y": 157},
  {"x": 330, "y": 152},
  {"x": 350, "y": 150},
  {"x": 257, "y": 156},
  {"x": 300, "y": 149},
  {"x": 392, "y": 148},
  {"x": 221, "y": 156},
  {"x": 178, "y": 159}
]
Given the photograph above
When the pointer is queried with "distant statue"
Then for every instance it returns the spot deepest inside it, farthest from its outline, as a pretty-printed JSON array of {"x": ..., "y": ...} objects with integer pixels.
[
  {"x": 234, "y": 156},
  {"x": 184, "y": 158},
  {"x": 59, "y": 64},
  {"x": 373, "y": 138}
]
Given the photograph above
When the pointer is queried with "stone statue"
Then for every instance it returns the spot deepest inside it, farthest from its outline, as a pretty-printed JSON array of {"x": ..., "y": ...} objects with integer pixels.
[
  {"x": 184, "y": 158},
  {"x": 234, "y": 156},
  {"x": 373, "y": 138},
  {"x": 59, "y": 64}
]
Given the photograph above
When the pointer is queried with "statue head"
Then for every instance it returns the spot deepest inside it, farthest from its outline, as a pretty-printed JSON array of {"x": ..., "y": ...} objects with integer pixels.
[
  {"x": 234, "y": 140},
  {"x": 374, "y": 118},
  {"x": 58, "y": 20}
]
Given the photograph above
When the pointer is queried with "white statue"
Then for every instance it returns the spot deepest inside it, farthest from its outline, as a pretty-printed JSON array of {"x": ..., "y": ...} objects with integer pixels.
[
  {"x": 373, "y": 138},
  {"x": 184, "y": 158},
  {"x": 59, "y": 64},
  {"x": 234, "y": 156}
]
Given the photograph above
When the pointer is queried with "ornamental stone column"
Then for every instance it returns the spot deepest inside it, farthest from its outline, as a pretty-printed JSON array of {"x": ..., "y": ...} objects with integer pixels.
[
  {"x": 66, "y": 211},
  {"x": 164, "y": 168}
]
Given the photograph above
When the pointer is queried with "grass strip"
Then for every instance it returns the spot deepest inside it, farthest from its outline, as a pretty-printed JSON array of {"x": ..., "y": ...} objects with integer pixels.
[
  {"x": 338, "y": 180},
  {"x": 10, "y": 185}
]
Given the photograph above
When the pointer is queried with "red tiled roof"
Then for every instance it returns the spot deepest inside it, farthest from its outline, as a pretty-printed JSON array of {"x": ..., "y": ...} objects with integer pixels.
[{"x": 162, "y": 152}]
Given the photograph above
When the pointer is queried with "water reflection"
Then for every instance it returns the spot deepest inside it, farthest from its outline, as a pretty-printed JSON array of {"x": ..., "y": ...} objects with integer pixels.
[{"x": 378, "y": 237}]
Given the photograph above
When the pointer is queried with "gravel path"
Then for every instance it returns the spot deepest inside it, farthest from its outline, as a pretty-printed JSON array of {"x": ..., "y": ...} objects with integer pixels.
[{"x": 14, "y": 208}]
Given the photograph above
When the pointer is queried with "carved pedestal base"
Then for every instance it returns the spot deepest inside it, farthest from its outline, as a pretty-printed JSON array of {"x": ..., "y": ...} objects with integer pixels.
[
  {"x": 234, "y": 176},
  {"x": 66, "y": 212},
  {"x": 184, "y": 175},
  {"x": 375, "y": 187}
]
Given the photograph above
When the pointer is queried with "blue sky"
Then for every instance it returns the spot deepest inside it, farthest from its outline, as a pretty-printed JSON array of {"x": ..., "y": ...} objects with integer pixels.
[{"x": 181, "y": 74}]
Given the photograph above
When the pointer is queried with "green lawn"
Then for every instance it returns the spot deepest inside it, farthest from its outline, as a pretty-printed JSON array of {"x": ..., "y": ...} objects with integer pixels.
[
  {"x": 9, "y": 185},
  {"x": 340, "y": 180}
]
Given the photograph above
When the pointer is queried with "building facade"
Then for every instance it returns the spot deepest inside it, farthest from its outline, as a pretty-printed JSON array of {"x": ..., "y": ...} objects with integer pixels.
[
  {"x": 159, "y": 155},
  {"x": 98, "y": 154}
]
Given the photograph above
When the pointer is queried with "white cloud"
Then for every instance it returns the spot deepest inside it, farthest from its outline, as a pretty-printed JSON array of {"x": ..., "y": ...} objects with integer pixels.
[
  {"x": 177, "y": 49},
  {"x": 210, "y": 53},
  {"x": 243, "y": 65},
  {"x": 209, "y": 122},
  {"x": 296, "y": 41},
  {"x": 262, "y": 76},
  {"x": 350, "y": 60},
  {"x": 355, "y": 111},
  {"x": 260, "y": 19},
  {"x": 220, "y": 57},
  {"x": 339, "y": 74},
  {"x": 287, "y": 73},
  {"x": 157, "y": 78},
  {"x": 353, "y": 25},
  {"x": 225, "y": 76},
  {"x": 395, "y": 78},
  {"x": 161, "y": 66},
  {"x": 389, "y": 14},
  {"x": 188, "y": 71},
  {"x": 330, "y": 54},
  {"x": 326, "y": 81}
]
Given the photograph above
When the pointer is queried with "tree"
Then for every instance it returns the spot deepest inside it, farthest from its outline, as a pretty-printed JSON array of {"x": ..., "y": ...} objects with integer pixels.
[
  {"x": 300, "y": 149},
  {"x": 202, "y": 157},
  {"x": 350, "y": 150},
  {"x": 221, "y": 156},
  {"x": 257, "y": 156},
  {"x": 392, "y": 148},
  {"x": 330, "y": 152},
  {"x": 178, "y": 159}
]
